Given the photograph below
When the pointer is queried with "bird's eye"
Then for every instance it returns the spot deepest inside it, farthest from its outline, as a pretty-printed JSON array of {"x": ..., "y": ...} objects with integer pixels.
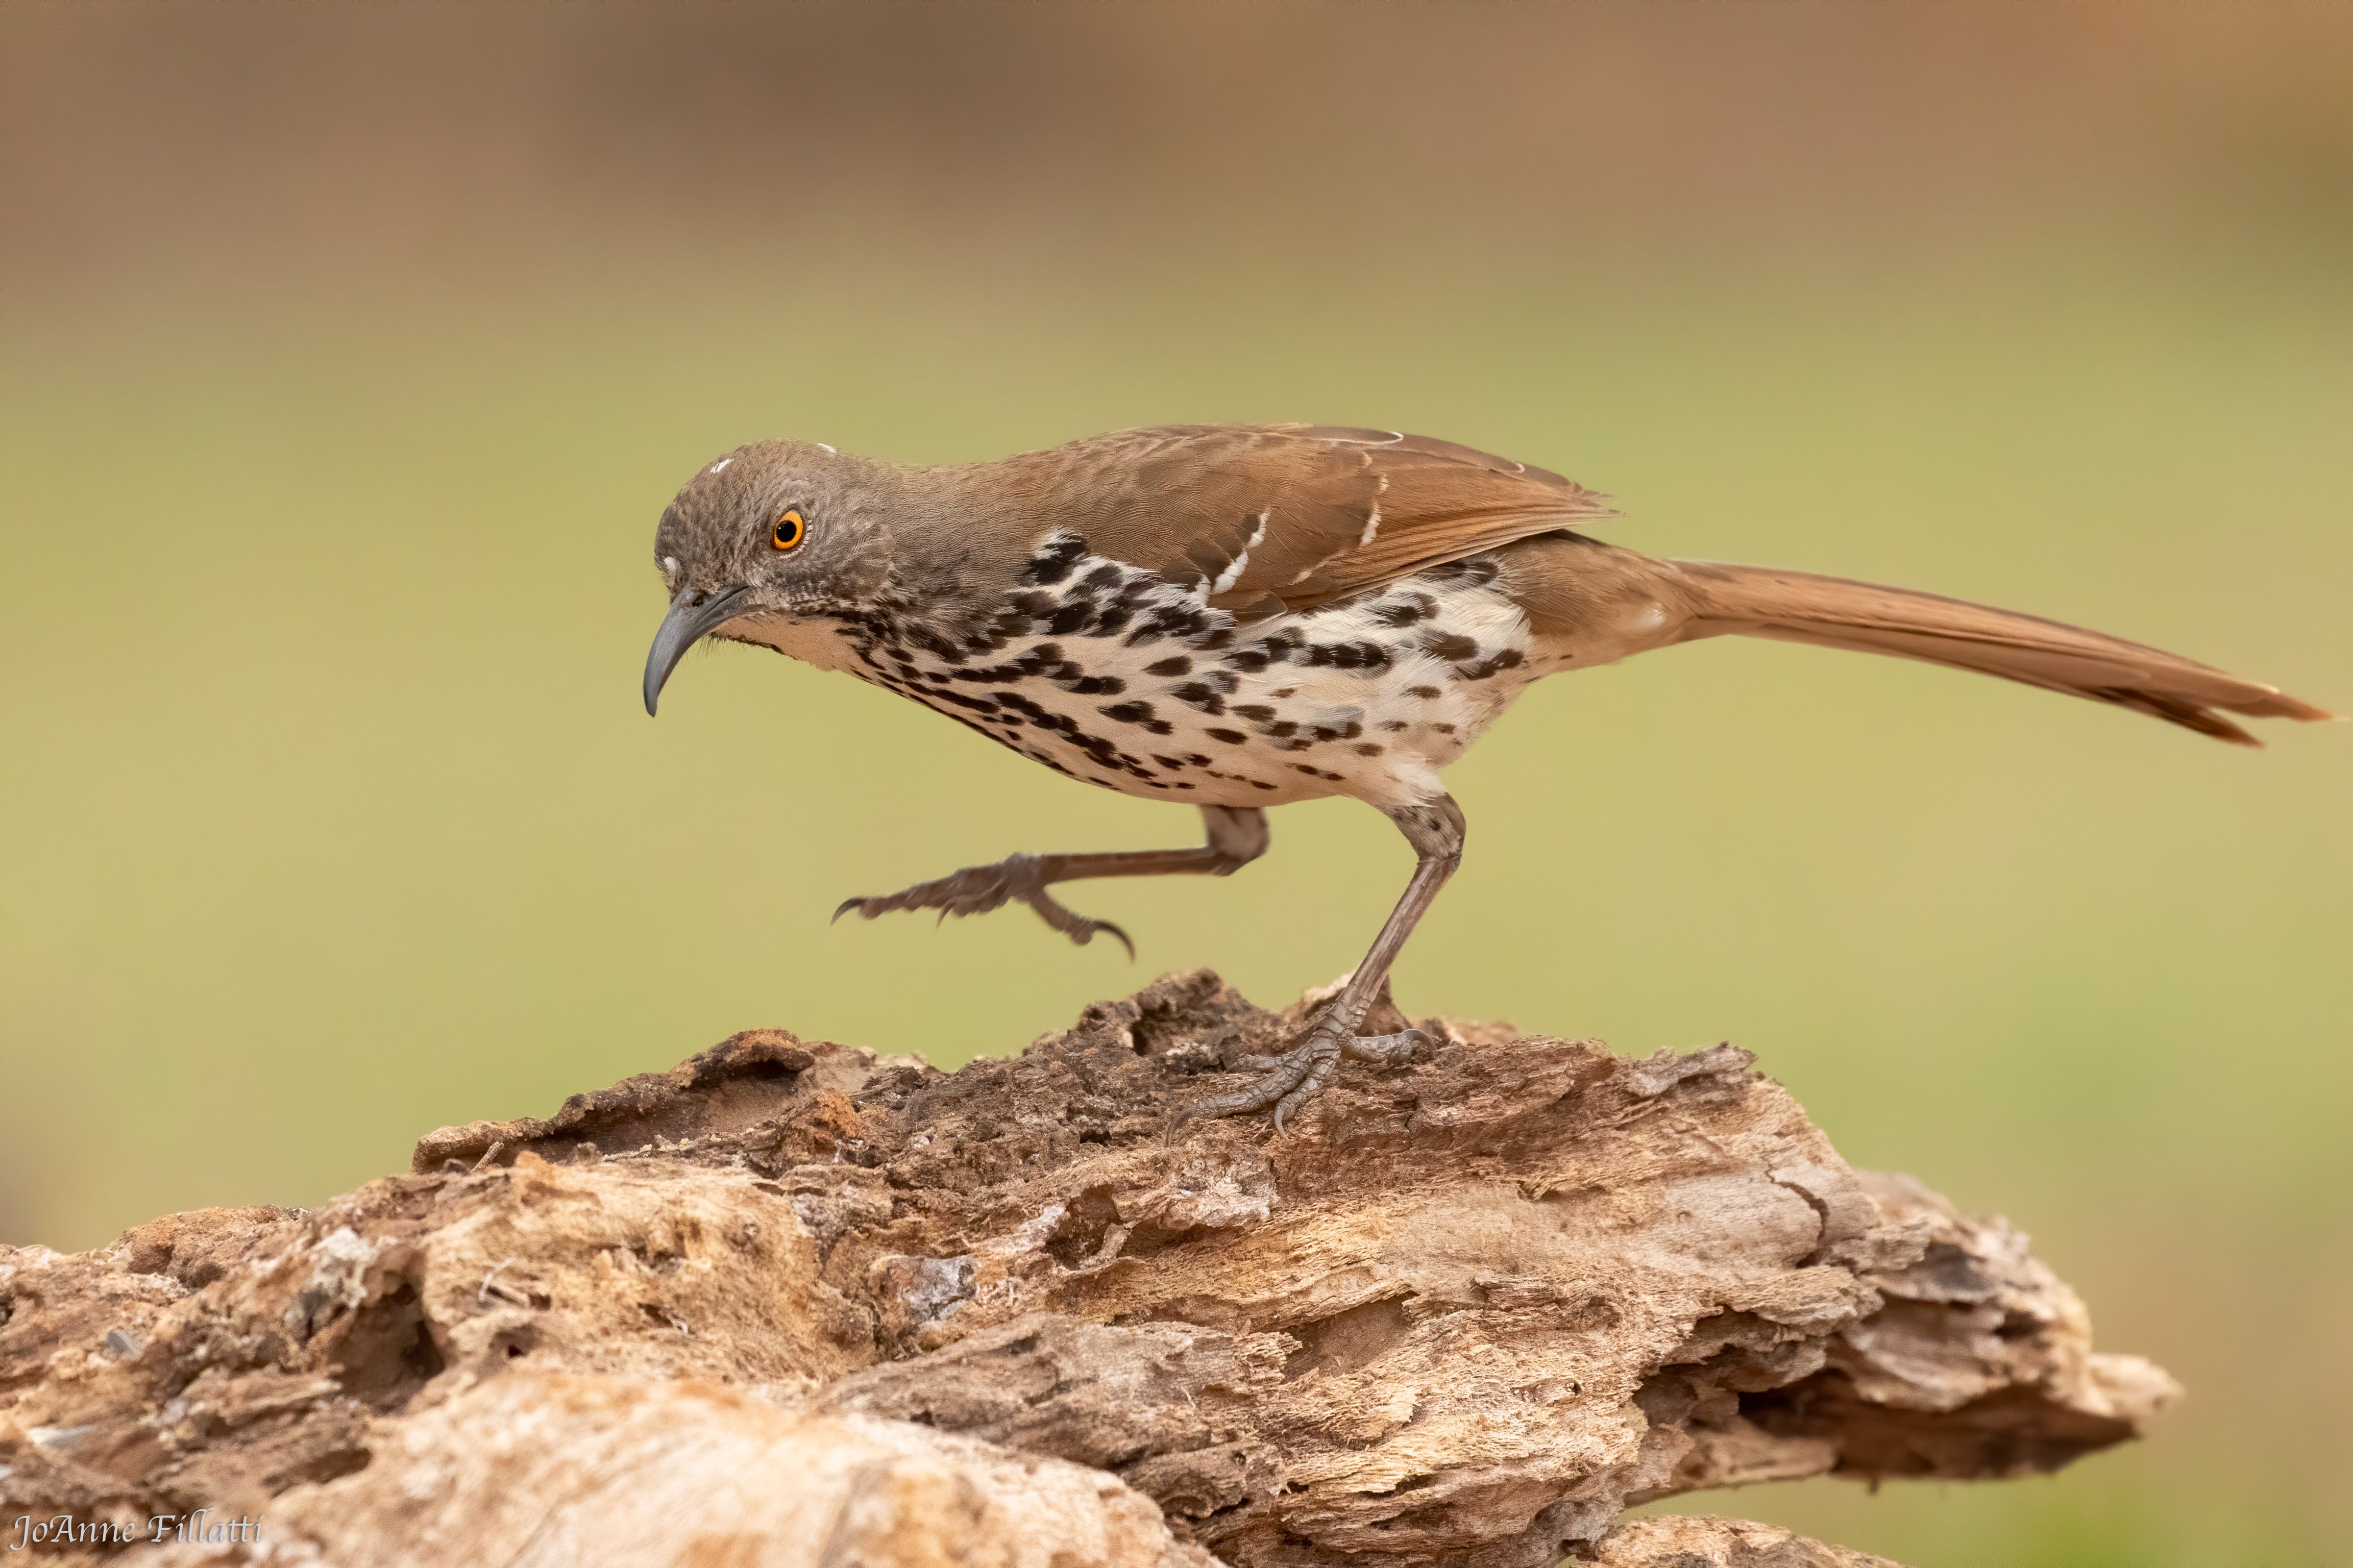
[{"x": 790, "y": 530}]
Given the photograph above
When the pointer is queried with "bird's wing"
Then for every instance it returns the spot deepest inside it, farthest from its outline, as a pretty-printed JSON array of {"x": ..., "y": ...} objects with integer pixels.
[{"x": 1281, "y": 518}]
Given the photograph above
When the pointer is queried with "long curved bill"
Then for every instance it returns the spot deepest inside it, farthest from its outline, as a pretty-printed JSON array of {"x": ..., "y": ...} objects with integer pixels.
[{"x": 693, "y": 616}]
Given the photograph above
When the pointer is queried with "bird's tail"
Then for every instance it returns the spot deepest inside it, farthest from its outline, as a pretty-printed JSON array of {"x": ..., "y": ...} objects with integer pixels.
[{"x": 1831, "y": 612}]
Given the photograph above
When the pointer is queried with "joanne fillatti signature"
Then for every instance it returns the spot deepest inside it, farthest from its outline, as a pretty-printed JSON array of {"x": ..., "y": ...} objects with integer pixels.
[{"x": 65, "y": 1530}]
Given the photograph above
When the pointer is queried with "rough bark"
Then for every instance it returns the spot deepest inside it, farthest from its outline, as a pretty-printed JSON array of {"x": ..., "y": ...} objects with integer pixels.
[
  {"x": 1462, "y": 1311},
  {"x": 1698, "y": 1541}
]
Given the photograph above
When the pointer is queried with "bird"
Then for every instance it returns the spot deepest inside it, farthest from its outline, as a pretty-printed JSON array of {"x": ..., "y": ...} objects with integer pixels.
[{"x": 1236, "y": 617}]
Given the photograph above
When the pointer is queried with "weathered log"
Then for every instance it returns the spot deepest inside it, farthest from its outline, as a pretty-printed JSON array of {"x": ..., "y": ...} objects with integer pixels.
[
  {"x": 1463, "y": 1311},
  {"x": 1696, "y": 1541}
]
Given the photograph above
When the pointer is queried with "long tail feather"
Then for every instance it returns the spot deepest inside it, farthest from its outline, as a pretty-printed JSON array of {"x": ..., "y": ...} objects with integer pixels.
[{"x": 1831, "y": 612}]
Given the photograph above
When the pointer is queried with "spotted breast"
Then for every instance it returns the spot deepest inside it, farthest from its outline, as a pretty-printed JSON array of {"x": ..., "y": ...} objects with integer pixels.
[{"x": 1110, "y": 673}]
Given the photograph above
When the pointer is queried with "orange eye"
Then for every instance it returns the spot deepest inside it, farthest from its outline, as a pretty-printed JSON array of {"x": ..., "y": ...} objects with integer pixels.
[{"x": 790, "y": 530}]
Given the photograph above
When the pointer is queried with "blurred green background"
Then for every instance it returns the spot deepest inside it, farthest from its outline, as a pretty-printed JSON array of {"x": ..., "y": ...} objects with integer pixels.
[{"x": 352, "y": 352}]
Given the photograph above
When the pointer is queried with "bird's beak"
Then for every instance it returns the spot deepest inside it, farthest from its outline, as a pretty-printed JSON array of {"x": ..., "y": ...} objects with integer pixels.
[{"x": 693, "y": 615}]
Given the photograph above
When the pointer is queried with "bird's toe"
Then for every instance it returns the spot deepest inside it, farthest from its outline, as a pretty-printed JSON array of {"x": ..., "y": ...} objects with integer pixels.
[{"x": 1289, "y": 1082}]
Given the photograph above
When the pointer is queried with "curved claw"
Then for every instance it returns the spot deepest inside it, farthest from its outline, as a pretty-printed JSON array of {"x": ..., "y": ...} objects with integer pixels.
[
  {"x": 871, "y": 908},
  {"x": 1319, "y": 1072},
  {"x": 1279, "y": 1076},
  {"x": 1081, "y": 930}
]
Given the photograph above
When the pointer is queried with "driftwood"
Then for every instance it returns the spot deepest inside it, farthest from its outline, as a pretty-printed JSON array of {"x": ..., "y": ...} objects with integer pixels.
[{"x": 792, "y": 1304}]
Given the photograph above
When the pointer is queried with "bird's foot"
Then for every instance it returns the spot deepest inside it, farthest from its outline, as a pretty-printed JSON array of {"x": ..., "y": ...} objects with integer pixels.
[
  {"x": 976, "y": 889},
  {"x": 1289, "y": 1080}
]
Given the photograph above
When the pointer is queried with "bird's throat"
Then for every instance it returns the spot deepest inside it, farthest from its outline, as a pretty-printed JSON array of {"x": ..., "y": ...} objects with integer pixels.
[{"x": 826, "y": 644}]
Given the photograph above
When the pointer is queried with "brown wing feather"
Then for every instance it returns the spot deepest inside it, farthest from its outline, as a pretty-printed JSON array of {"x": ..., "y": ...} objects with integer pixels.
[{"x": 1287, "y": 517}]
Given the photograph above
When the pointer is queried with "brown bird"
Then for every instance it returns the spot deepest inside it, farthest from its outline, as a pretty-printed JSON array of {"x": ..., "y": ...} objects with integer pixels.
[{"x": 1235, "y": 617}]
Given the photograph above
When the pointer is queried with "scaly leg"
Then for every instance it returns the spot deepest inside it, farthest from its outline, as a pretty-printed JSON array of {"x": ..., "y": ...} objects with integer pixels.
[
  {"x": 1288, "y": 1081},
  {"x": 1238, "y": 836}
]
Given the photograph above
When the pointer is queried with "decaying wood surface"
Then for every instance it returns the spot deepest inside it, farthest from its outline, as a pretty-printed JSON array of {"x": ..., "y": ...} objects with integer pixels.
[{"x": 790, "y": 1304}]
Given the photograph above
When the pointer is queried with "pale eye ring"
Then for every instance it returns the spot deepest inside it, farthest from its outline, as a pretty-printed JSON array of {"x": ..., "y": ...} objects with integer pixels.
[{"x": 790, "y": 529}]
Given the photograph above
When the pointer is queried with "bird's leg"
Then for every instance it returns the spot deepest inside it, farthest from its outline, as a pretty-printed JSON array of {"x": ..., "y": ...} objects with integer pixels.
[
  {"x": 1238, "y": 836},
  {"x": 1286, "y": 1082}
]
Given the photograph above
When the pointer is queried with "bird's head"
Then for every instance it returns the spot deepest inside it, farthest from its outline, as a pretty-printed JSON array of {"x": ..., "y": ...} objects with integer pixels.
[{"x": 779, "y": 530}]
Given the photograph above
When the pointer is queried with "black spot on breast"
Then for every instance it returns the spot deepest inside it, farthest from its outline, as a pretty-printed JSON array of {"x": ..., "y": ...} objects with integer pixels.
[
  {"x": 1399, "y": 615},
  {"x": 1255, "y": 711},
  {"x": 1180, "y": 665},
  {"x": 1075, "y": 614},
  {"x": 1443, "y": 729},
  {"x": 1127, "y": 712},
  {"x": 1230, "y": 737},
  {"x": 1169, "y": 620},
  {"x": 1509, "y": 659},
  {"x": 1421, "y": 692},
  {"x": 1054, "y": 562},
  {"x": 1104, "y": 576},
  {"x": 1451, "y": 646},
  {"x": 939, "y": 646},
  {"x": 1393, "y": 725},
  {"x": 1368, "y": 749},
  {"x": 1250, "y": 659},
  {"x": 1193, "y": 694}
]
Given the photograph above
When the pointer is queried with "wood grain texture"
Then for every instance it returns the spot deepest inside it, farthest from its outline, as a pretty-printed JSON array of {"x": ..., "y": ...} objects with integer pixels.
[{"x": 1466, "y": 1311}]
